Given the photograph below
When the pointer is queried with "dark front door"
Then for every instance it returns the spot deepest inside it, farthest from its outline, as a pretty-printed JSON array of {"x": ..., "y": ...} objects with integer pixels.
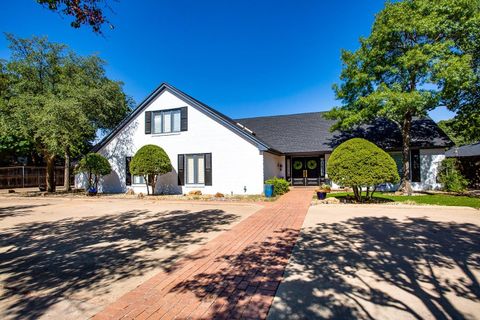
[{"x": 306, "y": 171}]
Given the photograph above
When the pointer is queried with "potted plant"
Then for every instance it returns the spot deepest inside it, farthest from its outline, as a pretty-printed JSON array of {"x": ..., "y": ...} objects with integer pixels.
[{"x": 322, "y": 191}]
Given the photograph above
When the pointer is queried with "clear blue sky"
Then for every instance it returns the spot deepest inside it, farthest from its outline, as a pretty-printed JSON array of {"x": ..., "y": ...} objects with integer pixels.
[{"x": 245, "y": 58}]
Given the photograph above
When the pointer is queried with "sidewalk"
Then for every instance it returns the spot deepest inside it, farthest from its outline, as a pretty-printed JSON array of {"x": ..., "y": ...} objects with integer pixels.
[{"x": 233, "y": 276}]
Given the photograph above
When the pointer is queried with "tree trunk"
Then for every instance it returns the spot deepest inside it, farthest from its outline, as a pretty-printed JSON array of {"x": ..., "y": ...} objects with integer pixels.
[
  {"x": 146, "y": 182},
  {"x": 50, "y": 176},
  {"x": 373, "y": 191},
  {"x": 154, "y": 183},
  {"x": 355, "y": 192},
  {"x": 368, "y": 193},
  {"x": 66, "y": 182},
  {"x": 405, "y": 186}
]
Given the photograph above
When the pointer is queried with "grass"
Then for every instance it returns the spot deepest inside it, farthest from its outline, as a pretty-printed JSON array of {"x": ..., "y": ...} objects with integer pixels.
[{"x": 436, "y": 199}]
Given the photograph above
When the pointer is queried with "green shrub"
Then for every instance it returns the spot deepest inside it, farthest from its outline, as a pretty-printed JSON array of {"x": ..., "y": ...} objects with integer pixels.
[
  {"x": 95, "y": 166},
  {"x": 358, "y": 163},
  {"x": 150, "y": 161},
  {"x": 280, "y": 186},
  {"x": 450, "y": 176}
]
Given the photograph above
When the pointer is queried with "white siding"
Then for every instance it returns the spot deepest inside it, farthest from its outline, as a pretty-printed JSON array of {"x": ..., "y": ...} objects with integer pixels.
[
  {"x": 237, "y": 164},
  {"x": 430, "y": 159},
  {"x": 273, "y": 166}
]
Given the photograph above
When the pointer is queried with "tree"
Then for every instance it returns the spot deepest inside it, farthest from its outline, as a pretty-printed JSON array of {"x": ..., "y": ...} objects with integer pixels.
[
  {"x": 95, "y": 166},
  {"x": 420, "y": 54},
  {"x": 358, "y": 163},
  {"x": 57, "y": 100},
  {"x": 85, "y": 12},
  {"x": 450, "y": 176},
  {"x": 460, "y": 132},
  {"x": 150, "y": 161}
]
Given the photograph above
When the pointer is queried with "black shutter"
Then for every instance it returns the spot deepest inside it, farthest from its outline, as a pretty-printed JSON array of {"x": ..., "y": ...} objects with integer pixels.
[
  {"x": 415, "y": 162},
  {"x": 183, "y": 119},
  {"x": 288, "y": 167},
  {"x": 128, "y": 175},
  {"x": 322, "y": 167},
  {"x": 148, "y": 122},
  {"x": 208, "y": 169},
  {"x": 181, "y": 169}
]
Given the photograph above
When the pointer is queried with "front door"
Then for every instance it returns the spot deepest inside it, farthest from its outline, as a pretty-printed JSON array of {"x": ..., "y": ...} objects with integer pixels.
[{"x": 306, "y": 171}]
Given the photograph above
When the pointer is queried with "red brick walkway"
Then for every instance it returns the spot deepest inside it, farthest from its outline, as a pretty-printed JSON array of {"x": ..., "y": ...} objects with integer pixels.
[{"x": 233, "y": 276}]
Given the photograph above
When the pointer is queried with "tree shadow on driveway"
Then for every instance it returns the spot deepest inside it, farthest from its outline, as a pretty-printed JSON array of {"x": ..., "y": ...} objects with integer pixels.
[
  {"x": 44, "y": 262},
  {"x": 18, "y": 210},
  {"x": 336, "y": 268}
]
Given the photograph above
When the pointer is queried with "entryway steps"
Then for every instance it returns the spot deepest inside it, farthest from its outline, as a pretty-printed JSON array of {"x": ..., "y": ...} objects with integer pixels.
[{"x": 234, "y": 276}]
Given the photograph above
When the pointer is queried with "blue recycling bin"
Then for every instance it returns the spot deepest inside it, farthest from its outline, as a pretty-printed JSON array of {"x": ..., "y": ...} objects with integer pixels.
[{"x": 268, "y": 190}]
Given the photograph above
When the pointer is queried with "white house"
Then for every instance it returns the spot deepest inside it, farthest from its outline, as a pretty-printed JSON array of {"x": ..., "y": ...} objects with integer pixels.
[{"x": 214, "y": 153}]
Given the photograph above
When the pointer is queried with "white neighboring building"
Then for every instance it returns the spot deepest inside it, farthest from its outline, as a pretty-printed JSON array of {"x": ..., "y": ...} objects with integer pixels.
[{"x": 214, "y": 153}]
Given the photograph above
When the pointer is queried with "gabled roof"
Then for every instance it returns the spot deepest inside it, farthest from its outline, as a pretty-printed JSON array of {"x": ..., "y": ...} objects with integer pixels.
[
  {"x": 214, "y": 114},
  {"x": 469, "y": 150},
  {"x": 303, "y": 132},
  {"x": 310, "y": 132}
]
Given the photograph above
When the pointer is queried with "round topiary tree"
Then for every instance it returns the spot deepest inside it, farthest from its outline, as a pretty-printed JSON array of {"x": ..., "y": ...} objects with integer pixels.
[
  {"x": 358, "y": 163},
  {"x": 150, "y": 162},
  {"x": 95, "y": 166}
]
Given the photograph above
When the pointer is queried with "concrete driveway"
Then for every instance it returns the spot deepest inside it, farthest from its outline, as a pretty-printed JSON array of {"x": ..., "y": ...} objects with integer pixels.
[
  {"x": 383, "y": 262},
  {"x": 68, "y": 258}
]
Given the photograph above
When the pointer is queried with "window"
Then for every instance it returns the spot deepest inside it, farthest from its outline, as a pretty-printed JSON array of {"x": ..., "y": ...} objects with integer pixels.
[
  {"x": 195, "y": 166},
  {"x": 397, "y": 157},
  {"x": 157, "y": 123},
  {"x": 166, "y": 121},
  {"x": 415, "y": 165},
  {"x": 138, "y": 180},
  {"x": 128, "y": 176}
]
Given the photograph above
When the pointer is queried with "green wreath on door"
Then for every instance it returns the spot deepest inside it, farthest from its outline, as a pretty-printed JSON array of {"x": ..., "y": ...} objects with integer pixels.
[
  {"x": 297, "y": 165},
  {"x": 312, "y": 164}
]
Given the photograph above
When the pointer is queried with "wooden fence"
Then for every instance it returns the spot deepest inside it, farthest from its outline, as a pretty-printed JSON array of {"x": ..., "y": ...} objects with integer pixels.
[{"x": 26, "y": 176}]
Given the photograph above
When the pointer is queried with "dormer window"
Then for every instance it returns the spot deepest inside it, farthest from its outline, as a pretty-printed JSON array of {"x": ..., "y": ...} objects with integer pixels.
[{"x": 165, "y": 121}]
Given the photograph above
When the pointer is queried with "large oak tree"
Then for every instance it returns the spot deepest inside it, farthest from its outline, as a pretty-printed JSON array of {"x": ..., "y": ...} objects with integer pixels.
[
  {"x": 57, "y": 100},
  {"x": 420, "y": 55}
]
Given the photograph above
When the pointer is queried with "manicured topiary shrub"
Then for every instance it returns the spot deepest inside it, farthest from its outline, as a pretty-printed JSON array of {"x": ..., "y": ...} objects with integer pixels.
[
  {"x": 358, "y": 163},
  {"x": 150, "y": 161},
  {"x": 280, "y": 186},
  {"x": 95, "y": 166},
  {"x": 450, "y": 176}
]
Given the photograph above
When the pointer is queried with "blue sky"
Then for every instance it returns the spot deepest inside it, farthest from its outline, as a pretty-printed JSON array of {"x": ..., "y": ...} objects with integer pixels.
[{"x": 245, "y": 58}]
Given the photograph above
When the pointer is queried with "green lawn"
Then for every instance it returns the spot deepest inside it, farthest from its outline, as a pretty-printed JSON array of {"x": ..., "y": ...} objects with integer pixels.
[{"x": 437, "y": 199}]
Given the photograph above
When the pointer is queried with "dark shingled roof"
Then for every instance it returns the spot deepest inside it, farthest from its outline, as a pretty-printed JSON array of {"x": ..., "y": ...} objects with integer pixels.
[
  {"x": 469, "y": 150},
  {"x": 310, "y": 132}
]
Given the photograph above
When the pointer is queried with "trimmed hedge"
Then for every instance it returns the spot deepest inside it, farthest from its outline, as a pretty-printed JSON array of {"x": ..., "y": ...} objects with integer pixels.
[
  {"x": 358, "y": 163},
  {"x": 280, "y": 186},
  {"x": 94, "y": 165},
  {"x": 150, "y": 161}
]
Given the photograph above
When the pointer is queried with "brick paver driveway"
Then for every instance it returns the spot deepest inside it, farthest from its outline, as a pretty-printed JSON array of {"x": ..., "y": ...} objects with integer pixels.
[{"x": 233, "y": 276}]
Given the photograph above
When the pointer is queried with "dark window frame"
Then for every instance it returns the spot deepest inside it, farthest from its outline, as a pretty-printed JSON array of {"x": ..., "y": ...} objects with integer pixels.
[
  {"x": 162, "y": 113},
  {"x": 195, "y": 168}
]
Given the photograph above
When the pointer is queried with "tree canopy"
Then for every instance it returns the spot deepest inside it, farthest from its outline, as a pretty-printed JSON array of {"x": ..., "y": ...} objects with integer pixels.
[
  {"x": 459, "y": 132},
  {"x": 358, "y": 163},
  {"x": 420, "y": 54},
  {"x": 150, "y": 161},
  {"x": 84, "y": 12},
  {"x": 56, "y": 100}
]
